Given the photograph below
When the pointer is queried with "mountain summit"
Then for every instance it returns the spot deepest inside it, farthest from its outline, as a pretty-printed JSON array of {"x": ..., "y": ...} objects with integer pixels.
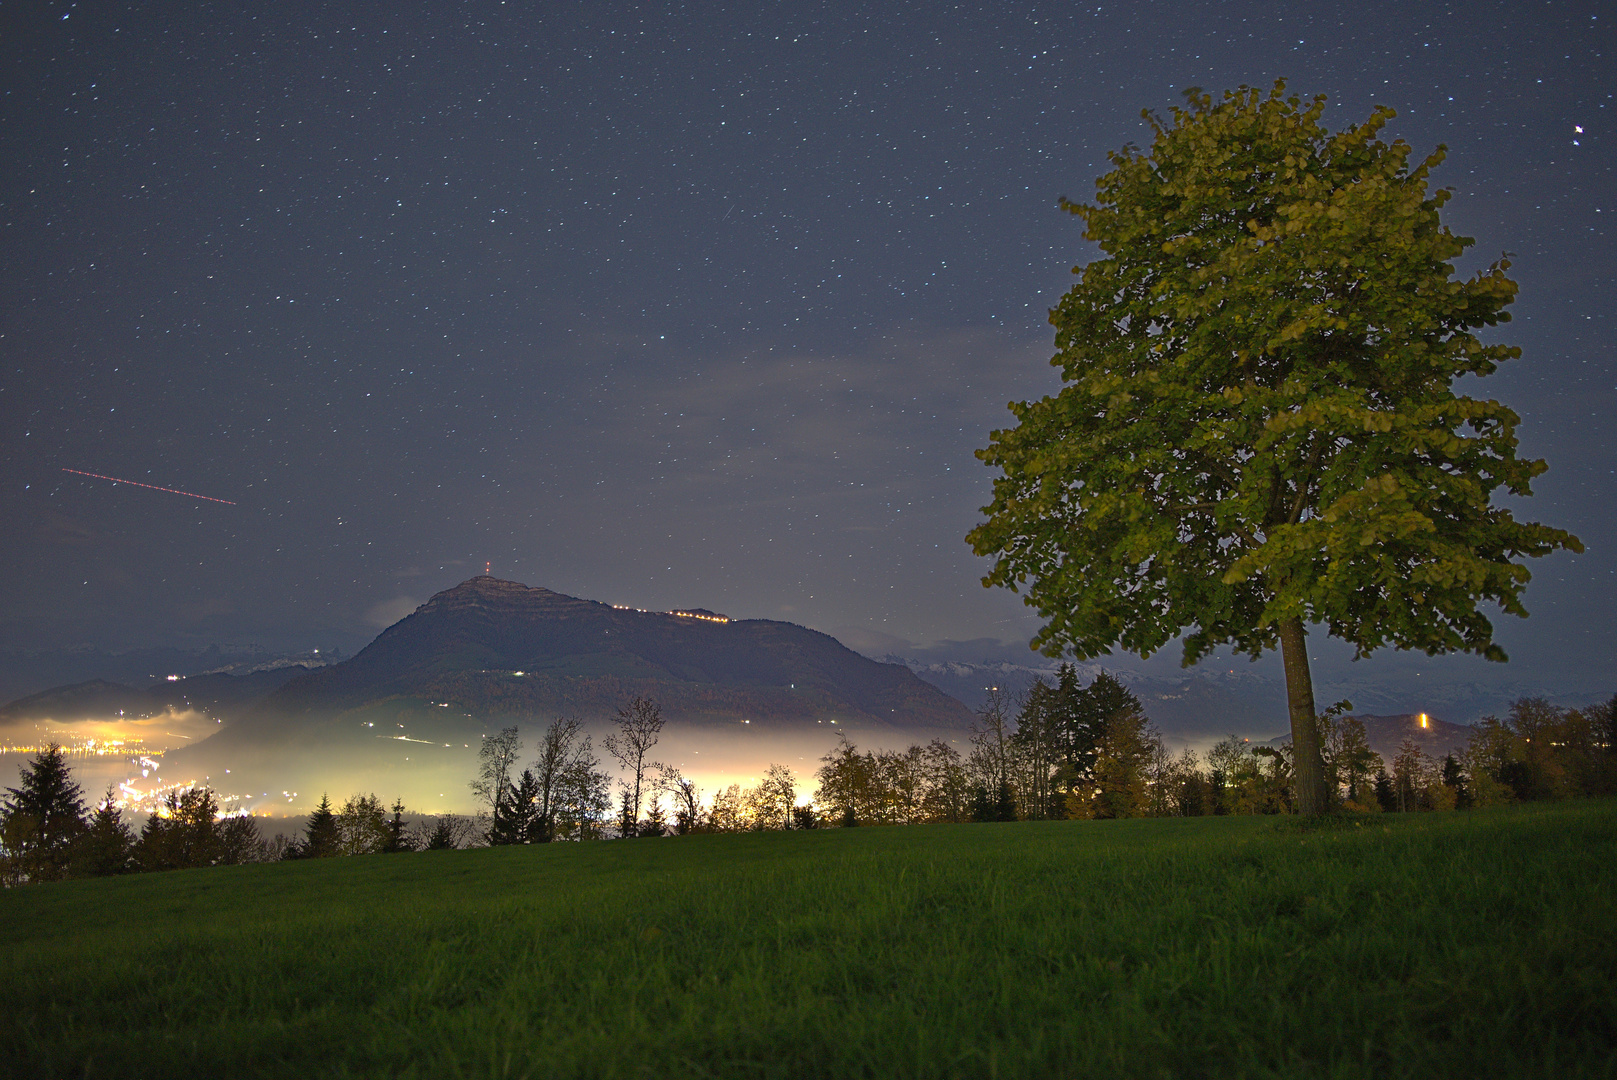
[{"x": 494, "y": 647}]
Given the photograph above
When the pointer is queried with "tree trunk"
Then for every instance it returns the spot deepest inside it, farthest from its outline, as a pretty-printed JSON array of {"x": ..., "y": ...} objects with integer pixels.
[{"x": 1308, "y": 768}]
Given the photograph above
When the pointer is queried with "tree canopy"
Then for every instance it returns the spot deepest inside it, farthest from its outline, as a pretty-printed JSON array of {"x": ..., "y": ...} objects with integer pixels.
[{"x": 1258, "y": 427}]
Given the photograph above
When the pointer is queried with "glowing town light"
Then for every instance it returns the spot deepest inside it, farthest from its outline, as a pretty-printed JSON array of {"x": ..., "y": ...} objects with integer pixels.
[{"x": 1425, "y": 721}]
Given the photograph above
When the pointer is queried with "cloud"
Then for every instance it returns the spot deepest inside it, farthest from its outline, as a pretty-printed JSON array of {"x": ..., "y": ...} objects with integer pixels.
[
  {"x": 872, "y": 643},
  {"x": 391, "y": 611}
]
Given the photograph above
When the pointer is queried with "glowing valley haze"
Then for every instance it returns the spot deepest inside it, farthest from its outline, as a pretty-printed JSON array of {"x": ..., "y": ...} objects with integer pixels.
[{"x": 704, "y": 306}]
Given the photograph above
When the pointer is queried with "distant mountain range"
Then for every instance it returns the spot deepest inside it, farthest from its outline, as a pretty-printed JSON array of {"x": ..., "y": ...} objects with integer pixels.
[
  {"x": 220, "y": 692},
  {"x": 25, "y": 671}
]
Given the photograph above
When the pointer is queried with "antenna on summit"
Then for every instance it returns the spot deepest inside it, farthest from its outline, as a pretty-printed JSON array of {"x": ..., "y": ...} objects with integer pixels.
[{"x": 487, "y": 568}]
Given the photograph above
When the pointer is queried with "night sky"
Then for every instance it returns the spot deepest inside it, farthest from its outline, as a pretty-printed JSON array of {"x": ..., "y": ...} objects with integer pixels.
[{"x": 664, "y": 306}]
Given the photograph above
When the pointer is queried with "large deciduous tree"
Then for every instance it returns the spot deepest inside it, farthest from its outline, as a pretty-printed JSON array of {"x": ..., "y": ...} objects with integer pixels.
[{"x": 1258, "y": 428}]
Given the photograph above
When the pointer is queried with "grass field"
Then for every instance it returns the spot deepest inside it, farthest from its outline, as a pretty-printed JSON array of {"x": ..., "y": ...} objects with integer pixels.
[{"x": 1435, "y": 945}]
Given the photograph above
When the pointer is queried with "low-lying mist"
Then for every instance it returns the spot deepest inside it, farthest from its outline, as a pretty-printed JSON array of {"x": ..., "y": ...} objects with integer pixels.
[{"x": 430, "y": 765}]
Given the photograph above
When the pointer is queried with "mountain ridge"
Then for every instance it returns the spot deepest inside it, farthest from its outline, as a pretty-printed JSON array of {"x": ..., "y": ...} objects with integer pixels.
[{"x": 501, "y": 647}]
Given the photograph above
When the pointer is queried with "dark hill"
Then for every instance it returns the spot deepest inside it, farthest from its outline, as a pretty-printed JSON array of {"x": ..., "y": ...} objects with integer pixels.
[
  {"x": 1437, "y": 738},
  {"x": 99, "y": 699},
  {"x": 495, "y": 648},
  {"x": 96, "y": 699}
]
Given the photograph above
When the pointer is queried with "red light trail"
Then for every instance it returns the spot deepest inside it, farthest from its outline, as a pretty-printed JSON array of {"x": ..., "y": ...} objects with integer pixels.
[{"x": 154, "y": 487}]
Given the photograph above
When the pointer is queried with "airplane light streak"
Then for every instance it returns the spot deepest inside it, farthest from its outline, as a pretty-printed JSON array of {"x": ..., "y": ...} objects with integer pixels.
[{"x": 154, "y": 487}]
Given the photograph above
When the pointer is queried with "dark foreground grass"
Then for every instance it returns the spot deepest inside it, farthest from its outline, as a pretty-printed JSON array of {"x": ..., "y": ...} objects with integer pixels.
[{"x": 1476, "y": 945}]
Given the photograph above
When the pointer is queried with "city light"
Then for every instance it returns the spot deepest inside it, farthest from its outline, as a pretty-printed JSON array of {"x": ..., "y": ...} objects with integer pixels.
[{"x": 681, "y": 614}]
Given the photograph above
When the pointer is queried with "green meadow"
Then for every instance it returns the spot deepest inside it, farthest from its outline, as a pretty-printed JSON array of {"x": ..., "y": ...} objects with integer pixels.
[{"x": 1481, "y": 944}]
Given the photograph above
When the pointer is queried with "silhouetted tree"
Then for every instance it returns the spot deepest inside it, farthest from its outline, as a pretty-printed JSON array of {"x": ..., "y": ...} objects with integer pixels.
[
  {"x": 447, "y": 832},
  {"x": 1037, "y": 749},
  {"x": 398, "y": 834},
  {"x": 989, "y": 764},
  {"x": 778, "y": 792},
  {"x": 323, "y": 837},
  {"x": 582, "y": 800},
  {"x": 639, "y": 723},
  {"x": 1386, "y": 796},
  {"x": 239, "y": 841},
  {"x": 496, "y": 758},
  {"x": 996, "y": 803},
  {"x": 104, "y": 848},
  {"x": 1454, "y": 778},
  {"x": 41, "y": 819},
  {"x": 519, "y": 821},
  {"x": 655, "y": 823},
  {"x": 1122, "y": 761},
  {"x": 725, "y": 815},
  {"x": 186, "y": 833},
  {"x": 565, "y": 761},
  {"x": 845, "y": 777},
  {"x": 1352, "y": 760},
  {"x": 687, "y": 799}
]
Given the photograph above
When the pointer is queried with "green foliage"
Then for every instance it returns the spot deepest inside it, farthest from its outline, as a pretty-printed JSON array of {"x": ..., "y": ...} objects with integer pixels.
[
  {"x": 186, "y": 832},
  {"x": 1349, "y": 761},
  {"x": 1413, "y": 946},
  {"x": 891, "y": 787},
  {"x": 362, "y": 826},
  {"x": 1258, "y": 422},
  {"x": 41, "y": 819},
  {"x": 1539, "y": 751}
]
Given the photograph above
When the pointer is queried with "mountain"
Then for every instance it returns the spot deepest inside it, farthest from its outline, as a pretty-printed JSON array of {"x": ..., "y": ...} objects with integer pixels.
[
  {"x": 1203, "y": 706},
  {"x": 1436, "y": 738},
  {"x": 99, "y": 699},
  {"x": 26, "y": 671},
  {"x": 492, "y": 648}
]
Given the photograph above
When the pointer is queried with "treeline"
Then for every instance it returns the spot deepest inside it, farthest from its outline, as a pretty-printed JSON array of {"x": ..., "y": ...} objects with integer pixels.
[
  {"x": 563, "y": 794},
  {"x": 1070, "y": 751},
  {"x": 47, "y": 834},
  {"x": 1059, "y": 751}
]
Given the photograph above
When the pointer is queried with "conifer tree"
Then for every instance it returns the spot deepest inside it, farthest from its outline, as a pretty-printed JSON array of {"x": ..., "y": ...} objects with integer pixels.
[
  {"x": 184, "y": 833},
  {"x": 323, "y": 837},
  {"x": 398, "y": 834},
  {"x": 105, "y": 847},
  {"x": 41, "y": 819},
  {"x": 517, "y": 820}
]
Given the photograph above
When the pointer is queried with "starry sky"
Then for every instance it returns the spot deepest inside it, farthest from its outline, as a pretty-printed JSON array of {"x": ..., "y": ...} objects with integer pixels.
[{"x": 668, "y": 305}]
